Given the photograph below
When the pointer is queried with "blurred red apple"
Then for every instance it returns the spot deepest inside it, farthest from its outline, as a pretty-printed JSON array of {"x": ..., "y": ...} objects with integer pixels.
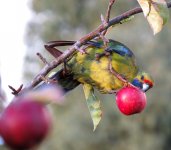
[
  {"x": 24, "y": 123},
  {"x": 130, "y": 100}
]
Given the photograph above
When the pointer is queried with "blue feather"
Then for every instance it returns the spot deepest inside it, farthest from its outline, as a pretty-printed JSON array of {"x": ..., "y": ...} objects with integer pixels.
[{"x": 137, "y": 83}]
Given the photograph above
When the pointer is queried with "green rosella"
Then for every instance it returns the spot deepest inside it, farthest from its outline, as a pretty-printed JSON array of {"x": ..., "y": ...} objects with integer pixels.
[{"x": 91, "y": 69}]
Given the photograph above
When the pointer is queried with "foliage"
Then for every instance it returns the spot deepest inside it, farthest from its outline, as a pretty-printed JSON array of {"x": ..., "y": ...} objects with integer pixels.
[{"x": 156, "y": 12}]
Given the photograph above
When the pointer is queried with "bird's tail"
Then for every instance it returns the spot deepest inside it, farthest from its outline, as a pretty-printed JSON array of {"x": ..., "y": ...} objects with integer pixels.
[{"x": 65, "y": 81}]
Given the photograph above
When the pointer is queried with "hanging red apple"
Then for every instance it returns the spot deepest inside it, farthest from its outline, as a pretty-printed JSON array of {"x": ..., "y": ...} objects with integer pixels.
[
  {"x": 130, "y": 100},
  {"x": 24, "y": 123}
]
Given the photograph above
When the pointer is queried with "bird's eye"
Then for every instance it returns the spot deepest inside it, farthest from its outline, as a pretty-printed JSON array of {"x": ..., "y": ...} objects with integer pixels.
[{"x": 142, "y": 77}]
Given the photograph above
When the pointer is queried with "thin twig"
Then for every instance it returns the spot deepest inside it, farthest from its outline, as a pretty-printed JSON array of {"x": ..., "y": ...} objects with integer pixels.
[
  {"x": 116, "y": 74},
  {"x": 47, "y": 68},
  {"x": 14, "y": 91},
  {"x": 108, "y": 13},
  {"x": 42, "y": 59},
  {"x": 120, "y": 77},
  {"x": 109, "y": 10}
]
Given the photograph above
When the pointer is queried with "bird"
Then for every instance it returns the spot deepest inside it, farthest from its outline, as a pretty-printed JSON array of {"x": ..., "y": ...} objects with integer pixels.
[{"x": 105, "y": 66}]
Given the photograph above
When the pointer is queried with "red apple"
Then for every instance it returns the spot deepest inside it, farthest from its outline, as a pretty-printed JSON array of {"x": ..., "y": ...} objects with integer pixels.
[
  {"x": 130, "y": 100},
  {"x": 24, "y": 123}
]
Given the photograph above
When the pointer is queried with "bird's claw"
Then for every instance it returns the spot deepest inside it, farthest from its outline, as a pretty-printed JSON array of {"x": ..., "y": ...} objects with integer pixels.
[
  {"x": 99, "y": 55},
  {"x": 48, "y": 80},
  {"x": 105, "y": 40}
]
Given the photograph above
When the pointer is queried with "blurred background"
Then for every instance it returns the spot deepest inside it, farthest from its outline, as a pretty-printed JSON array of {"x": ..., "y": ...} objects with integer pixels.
[{"x": 73, "y": 128}]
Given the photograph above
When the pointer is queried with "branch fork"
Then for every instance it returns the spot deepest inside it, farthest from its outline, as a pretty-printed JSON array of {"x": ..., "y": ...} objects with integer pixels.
[
  {"x": 67, "y": 53},
  {"x": 15, "y": 91}
]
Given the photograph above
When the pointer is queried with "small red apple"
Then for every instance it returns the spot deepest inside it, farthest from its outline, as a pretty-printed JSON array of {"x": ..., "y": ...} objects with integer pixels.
[
  {"x": 130, "y": 100},
  {"x": 24, "y": 123}
]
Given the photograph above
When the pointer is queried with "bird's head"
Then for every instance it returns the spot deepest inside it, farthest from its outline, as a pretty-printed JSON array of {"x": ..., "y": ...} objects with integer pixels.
[{"x": 143, "y": 81}]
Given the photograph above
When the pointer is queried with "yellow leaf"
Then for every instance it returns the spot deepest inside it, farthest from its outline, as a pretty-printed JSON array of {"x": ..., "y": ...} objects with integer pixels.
[
  {"x": 156, "y": 12},
  {"x": 93, "y": 104}
]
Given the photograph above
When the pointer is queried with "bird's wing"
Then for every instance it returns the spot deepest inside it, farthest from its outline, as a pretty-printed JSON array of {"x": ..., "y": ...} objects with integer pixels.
[
  {"x": 114, "y": 46},
  {"x": 120, "y": 48}
]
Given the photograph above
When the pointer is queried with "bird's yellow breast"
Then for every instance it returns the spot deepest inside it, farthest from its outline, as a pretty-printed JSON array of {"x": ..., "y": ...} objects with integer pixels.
[{"x": 87, "y": 69}]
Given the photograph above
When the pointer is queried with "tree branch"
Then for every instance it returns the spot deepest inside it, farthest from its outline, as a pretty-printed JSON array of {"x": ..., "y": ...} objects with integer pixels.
[{"x": 47, "y": 68}]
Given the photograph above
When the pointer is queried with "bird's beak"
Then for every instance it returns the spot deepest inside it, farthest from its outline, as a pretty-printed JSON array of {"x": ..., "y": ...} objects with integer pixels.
[{"x": 146, "y": 87}]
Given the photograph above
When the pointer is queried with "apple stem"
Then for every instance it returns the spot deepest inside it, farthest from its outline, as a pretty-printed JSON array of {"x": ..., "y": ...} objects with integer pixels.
[
  {"x": 42, "y": 59},
  {"x": 119, "y": 76}
]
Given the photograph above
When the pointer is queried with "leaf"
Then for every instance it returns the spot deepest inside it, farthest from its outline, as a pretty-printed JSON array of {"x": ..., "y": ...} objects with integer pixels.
[
  {"x": 127, "y": 19},
  {"x": 156, "y": 12},
  {"x": 93, "y": 104}
]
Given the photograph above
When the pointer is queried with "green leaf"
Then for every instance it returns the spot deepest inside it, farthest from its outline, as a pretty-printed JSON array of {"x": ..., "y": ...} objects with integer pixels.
[
  {"x": 156, "y": 12},
  {"x": 127, "y": 19},
  {"x": 130, "y": 18},
  {"x": 93, "y": 104}
]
